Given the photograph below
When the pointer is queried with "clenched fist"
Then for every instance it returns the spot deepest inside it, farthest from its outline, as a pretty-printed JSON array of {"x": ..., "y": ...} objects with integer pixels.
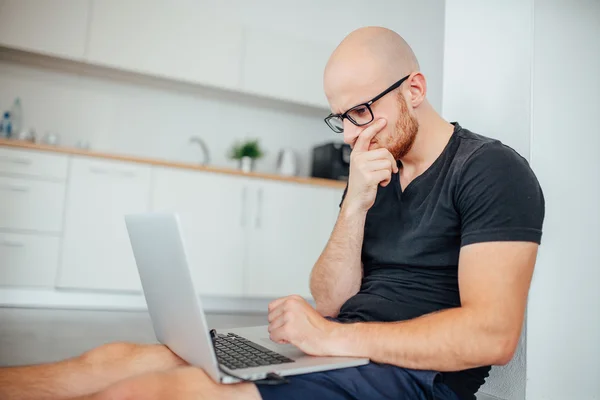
[{"x": 368, "y": 169}]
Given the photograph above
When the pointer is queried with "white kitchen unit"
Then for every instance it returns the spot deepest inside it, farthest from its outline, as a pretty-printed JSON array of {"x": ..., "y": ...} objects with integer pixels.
[
  {"x": 96, "y": 252},
  {"x": 57, "y": 27},
  {"x": 32, "y": 192},
  {"x": 63, "y": 239},
  {"x": 285, "y": 67},
  {"x": 289, "y": 229},
  {"x": 33, "y": 164},
  {"x": 181, "y": 40},
  {"x": 31, "y": 205},
  {"x": 214, "y": 217},
  {"x": 248, "y": 237},
  {"x": 28, "y": 260}
]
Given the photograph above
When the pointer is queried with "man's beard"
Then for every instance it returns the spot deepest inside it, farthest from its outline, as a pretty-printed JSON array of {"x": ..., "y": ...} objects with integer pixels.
[{"x": 405, "y": 133}]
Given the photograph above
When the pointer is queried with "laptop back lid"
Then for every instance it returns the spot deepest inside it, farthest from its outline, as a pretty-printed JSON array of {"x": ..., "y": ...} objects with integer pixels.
[{"x": 174, "y": 306}]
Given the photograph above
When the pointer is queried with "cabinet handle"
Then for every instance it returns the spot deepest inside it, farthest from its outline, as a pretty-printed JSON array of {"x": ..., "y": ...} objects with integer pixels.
[
  {"x": 10, "y": 243},
  {"x": 104, "y": 171},
  {"x": 243, "y": 210},
  {"x": 15, "y": 188},
  {"x": 16, "y": 160},
  {"x": 100, "y": 171},
  {"x": 127, "y": 174},
  {"x": 259, "y": 198}
]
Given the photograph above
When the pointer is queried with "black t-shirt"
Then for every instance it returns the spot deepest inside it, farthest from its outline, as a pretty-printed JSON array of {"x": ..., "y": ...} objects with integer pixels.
[{"x": 478, "y": 190}]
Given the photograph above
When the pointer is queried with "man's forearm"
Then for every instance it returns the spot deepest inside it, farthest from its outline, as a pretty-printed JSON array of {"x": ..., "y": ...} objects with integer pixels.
[
  {"x": 449, "y": 340},
  {"x": 337, "y": 274}
]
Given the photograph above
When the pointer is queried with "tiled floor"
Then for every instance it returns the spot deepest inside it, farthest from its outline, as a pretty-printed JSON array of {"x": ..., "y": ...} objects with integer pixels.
[{"x": 29, "y": 336}]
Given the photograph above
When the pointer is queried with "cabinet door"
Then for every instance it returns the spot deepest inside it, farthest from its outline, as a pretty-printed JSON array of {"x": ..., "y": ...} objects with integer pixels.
[
  {"x": 27, "y": 163},
  {"x": 213, "y": 215},
  {"x": 31, "y": 205},
  {"x": 28, "y": 260},
  {"x": 290, "y": 228},
  {"x": 96, "y": 252},
  {"x": 181, "y": 40},
  {"x": 57, "y": 27},
  {"x": 285, "y": 67}
]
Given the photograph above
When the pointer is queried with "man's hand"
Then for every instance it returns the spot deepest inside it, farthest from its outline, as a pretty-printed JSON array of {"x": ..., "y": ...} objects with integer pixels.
[
  {"x": 368, "y": 169},
  {"x": 293, "y": 320}
]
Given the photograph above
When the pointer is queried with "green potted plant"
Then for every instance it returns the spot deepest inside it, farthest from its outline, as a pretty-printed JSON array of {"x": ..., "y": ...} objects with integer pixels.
[{"x": 246, "y": 153}]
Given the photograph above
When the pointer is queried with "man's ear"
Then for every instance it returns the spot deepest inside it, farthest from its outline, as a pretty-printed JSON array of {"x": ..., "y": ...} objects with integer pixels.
[{"x": 418, "y": 89}]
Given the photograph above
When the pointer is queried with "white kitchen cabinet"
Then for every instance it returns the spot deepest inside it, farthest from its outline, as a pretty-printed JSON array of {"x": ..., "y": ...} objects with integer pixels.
[
  {"x": 96, "y": 252},
  {"x": 290, "y": 228},
  {"x": 214, "y": 215},
  {"x": 181, "y": 40},
  {"x": 31, "y": 205},
  {"x": 34, "y": 164},
  {"x": 285, "y": 67},
  {"x": 57, "y": 27},
  {"x": 244, "y": 236},
  {"x": 28, "y": 260}
]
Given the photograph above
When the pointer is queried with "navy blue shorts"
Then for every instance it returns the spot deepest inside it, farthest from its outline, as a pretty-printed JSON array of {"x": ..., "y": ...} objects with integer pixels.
[{"x": 371, "y": 381}]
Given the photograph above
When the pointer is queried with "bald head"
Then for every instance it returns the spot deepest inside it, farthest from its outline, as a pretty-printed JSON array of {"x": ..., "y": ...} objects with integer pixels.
[
  {"x": 382, "y": 45},
  {"x": 370, "y": 57}
]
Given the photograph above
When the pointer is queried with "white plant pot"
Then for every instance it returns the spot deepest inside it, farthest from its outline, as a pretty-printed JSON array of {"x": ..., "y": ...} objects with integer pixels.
[{"x": 247, "y": 164}]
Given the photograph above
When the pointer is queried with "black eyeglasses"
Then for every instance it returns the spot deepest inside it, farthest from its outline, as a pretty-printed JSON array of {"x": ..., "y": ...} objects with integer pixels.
[{"x": 361, "y": 114}]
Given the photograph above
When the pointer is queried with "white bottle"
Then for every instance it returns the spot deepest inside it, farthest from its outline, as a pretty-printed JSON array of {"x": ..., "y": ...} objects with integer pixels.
[{"x": 16, "y": 117}]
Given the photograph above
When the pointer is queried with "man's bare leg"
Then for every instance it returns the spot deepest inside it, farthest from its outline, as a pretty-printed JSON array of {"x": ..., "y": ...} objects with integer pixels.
[
  {"x": 183, "y": 383},
  {"x": 89, "y": 373}
]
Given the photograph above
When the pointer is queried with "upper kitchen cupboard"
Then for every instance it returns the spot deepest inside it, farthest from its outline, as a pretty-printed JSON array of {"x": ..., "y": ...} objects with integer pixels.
[
  {"x": 181, "y": 40},
  {"x": 289, "y": 229},
  {"x": 214, "y": 215},
  {"x": 285, "y": 67},
  {"x": 57, "y": 27},
  {"x": 96, "y": 252}
]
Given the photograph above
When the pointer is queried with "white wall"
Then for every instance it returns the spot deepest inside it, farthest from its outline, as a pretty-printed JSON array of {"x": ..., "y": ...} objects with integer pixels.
[
  {"x": 487, "y": 68},
  {"x": 487, "y": 88},
  {"x": 563, "y": 338}
]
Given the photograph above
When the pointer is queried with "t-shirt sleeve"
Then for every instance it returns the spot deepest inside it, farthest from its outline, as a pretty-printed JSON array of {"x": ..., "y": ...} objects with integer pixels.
[{"x": 499, "y": 197}]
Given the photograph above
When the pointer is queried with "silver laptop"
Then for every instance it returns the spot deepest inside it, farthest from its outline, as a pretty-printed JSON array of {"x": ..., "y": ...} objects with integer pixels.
[{"x": 178, "y": 318}]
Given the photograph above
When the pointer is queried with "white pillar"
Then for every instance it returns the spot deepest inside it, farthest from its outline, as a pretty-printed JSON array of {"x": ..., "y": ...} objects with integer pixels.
[
  {"x": 563, "y": 334},
  {"x": 487, "y": 88}
]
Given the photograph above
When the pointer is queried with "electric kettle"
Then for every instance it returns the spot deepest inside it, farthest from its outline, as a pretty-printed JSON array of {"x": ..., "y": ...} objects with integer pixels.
[{"x": 287, "y": 162}]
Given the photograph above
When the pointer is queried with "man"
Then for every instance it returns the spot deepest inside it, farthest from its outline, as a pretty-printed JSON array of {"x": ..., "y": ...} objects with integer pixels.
[{"x": 426, "y": 272}]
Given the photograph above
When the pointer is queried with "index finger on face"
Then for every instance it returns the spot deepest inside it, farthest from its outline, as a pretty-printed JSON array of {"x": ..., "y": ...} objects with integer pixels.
[{"x": 364, "y": 138}]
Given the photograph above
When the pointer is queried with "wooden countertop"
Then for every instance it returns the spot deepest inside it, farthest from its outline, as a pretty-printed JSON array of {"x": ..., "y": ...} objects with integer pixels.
[{"x": 172, "y": 164}]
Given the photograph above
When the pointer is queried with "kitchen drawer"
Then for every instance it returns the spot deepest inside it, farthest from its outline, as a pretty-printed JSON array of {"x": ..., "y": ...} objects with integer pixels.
[
  {"x": 33, "y": 163},
  {"x": 109, "y": 170},
  {"x": 31, "y": 204},
  {"x": 28, "y": 260}
]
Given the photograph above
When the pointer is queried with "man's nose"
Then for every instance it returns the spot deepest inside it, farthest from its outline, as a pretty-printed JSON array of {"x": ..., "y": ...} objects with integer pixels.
[{"x": 351, "y": 132}]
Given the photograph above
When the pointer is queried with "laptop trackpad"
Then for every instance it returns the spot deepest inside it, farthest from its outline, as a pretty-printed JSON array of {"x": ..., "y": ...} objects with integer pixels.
[{"x": 285, "y": 349}]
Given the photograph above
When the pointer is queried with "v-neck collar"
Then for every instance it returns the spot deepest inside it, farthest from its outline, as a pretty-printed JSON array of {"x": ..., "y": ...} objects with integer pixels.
[{"x": 396, "y": 177}]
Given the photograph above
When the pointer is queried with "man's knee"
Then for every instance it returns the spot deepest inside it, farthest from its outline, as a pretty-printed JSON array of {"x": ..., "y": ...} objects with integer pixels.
[{"x": 111, "y": 352}]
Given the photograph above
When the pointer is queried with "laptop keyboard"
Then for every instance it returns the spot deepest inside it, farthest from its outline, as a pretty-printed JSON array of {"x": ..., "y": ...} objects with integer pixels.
[{"x": 236, "y": 352}]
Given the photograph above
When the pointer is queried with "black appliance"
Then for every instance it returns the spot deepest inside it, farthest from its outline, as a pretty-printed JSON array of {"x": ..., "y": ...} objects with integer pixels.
[{"x": 331, "y": 161}]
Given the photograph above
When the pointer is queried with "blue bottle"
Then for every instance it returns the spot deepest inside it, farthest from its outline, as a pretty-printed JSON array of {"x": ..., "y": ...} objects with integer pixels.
[{"x": 6, "y": 126}]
